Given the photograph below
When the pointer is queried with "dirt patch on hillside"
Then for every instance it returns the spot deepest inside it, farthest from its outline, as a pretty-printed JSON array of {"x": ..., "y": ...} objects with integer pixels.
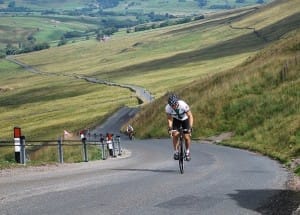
[{"x": 4, "y": 89}]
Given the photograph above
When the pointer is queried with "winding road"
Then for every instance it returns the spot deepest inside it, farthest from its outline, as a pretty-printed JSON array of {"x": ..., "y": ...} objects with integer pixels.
[
  {"x": 144, "y": 95},
  {"x": 146, "y": 180}
]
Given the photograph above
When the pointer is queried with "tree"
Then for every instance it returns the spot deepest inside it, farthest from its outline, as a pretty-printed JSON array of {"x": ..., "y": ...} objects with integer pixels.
[
  {"x": 11, "y": 4},
  {"x": 63, "y": 41},
  {"x": 202, "y": 3},
  {"x": 99, "y": 36},
  {"x": 108, "y": 3},
  {"x": 2, "y": 54},
  {"x": 10, "y": 50}
]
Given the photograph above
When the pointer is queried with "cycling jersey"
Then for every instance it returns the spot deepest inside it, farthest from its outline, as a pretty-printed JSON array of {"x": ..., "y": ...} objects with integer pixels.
[
  {"x": 129, "y": 129},
  {"x": 180, "y": 112}
]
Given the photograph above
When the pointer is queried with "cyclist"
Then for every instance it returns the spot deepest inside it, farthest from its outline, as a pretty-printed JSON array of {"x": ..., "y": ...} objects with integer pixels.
[
  {"x": 179, "y": 114},
  {"x": 130, "y": 131}
]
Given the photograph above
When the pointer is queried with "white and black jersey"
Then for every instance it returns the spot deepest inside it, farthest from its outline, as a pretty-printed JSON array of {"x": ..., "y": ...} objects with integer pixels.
[{"x": 180, "y": 112}]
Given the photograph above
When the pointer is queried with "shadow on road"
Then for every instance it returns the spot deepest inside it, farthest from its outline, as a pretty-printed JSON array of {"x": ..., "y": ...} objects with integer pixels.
[
  {"x": 147, "y": 170},
  {"x": 279, "y": 202}
]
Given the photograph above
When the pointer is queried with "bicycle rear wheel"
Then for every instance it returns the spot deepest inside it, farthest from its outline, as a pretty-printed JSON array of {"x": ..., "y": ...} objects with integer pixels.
[{"x": 181, "y": 157}]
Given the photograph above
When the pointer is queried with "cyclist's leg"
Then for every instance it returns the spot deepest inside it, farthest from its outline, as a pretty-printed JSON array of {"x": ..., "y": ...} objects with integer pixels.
[
  {"x": 175, "y": 141},
  {"x": 175, "y": 137},
  {"x": 175, "y": 146},
  {"x": 187, "y": 136},
  {"x": 187, "y": 139}
]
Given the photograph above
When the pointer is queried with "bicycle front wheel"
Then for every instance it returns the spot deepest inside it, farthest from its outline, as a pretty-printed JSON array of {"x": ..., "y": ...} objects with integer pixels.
[{"x": 181, "y": 158}]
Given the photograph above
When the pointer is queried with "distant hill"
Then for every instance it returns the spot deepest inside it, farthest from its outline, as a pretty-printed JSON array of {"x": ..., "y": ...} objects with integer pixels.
[
  {"x": 164, "y": 6},
  {"x": 32, "y": 25}
]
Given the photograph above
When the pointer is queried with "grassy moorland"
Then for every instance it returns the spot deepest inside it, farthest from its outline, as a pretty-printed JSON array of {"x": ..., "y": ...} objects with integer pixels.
[
  {"x": 230, "y": 68},
  {"x": 44, "y": 106},
  {"x": 151, "y": 59},
  {"x": 258, "y": 101}
]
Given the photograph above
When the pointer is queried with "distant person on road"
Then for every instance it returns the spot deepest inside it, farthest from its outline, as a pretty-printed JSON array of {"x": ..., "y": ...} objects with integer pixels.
[
  {"x": 130, "y": 131},
  {"x": 179, "y": 114},
  {"x": 101, "y": 138},
  {"x": 82, "y": 134},
  {"x": 109, "y": 142}
]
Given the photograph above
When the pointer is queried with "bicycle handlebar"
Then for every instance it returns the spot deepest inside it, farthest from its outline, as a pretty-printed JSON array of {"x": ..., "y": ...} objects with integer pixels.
[{"x": 174, "y": 130}]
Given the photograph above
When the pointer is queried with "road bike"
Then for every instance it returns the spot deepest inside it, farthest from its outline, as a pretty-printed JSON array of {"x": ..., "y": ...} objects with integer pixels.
[
  {"x": 181, "y": 148},
  {"x": 130, "y": 135}
]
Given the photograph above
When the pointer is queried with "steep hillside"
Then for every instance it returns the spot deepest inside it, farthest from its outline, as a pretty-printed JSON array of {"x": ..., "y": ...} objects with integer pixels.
[{"x": 258, "y": 101}]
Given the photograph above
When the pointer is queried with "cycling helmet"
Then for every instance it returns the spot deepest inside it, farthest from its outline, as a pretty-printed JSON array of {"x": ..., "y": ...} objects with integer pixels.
[{"x": 173, "y": 99}]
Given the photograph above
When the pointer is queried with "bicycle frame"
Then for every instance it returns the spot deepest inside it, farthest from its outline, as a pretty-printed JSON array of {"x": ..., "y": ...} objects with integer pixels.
[{"x": 181, "y": 149}]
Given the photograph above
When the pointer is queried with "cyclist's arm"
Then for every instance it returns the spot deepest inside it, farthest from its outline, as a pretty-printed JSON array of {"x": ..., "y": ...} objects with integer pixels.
[
  {"x": 191, "y": 119},
  {"x": 170, "y": 120}
]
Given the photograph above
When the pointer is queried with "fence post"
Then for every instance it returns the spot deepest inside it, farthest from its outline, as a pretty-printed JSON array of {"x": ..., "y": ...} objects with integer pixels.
[
  {"x": 22, "y": 150},
  {"x": 114, "y": 149},
  {"x": 103, "y": 152},
  {"x": 119, "y": 145},
  {"x": 60, "y": 150},
  {"x": 85, "y": 150},
  {"x": 17, "y": 140}
]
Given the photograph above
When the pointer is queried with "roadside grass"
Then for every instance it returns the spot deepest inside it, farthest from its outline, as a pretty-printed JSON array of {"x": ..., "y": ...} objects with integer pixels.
[
  {"x": 48, "y": 154},
  {"x": 72, "y": 154}
]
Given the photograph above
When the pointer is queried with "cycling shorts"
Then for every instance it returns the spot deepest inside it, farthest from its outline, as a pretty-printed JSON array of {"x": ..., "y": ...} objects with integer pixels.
[{"x": 177, "y": 123}]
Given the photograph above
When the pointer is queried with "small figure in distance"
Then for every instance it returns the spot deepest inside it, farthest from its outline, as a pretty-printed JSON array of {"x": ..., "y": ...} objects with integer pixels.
[
  {"x": 130, "y": 132},
  {"x": 109, "y": 142},
  {"x": 179, "y": 115},
  {"x": 101, "y": 138}
]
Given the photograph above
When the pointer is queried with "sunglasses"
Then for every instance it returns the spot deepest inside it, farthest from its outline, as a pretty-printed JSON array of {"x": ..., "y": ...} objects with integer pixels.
[{"x": 174, "y": 105}]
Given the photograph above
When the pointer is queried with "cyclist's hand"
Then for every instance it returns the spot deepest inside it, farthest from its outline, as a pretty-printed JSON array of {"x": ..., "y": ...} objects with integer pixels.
[
  {"x": 169, "y": 130},
  {"x": 191, "y": 130}
]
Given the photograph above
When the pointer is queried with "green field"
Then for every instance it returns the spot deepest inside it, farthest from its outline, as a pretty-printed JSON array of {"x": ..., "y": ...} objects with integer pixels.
[
  {"x": 48, "y": 21},
  {"x": 42, "y": 5},
  {"x": 44, "y": 106},
  {"x": 14, "y": 30},
  {"x": 178, "y": 7},
  {"x": 228, "y": 67}
]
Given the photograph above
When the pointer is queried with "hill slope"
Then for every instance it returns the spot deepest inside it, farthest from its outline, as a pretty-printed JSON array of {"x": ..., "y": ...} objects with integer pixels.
[{"x": 259, "y": 101}]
